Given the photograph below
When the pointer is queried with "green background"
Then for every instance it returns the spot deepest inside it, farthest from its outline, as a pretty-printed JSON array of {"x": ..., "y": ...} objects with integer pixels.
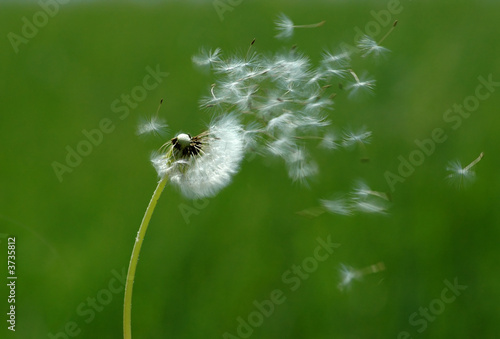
[{"x": 198, "y": 274}]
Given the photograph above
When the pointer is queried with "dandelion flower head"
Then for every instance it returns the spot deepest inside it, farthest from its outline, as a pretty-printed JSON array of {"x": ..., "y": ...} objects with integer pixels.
[{"x": 202, "y": 165}]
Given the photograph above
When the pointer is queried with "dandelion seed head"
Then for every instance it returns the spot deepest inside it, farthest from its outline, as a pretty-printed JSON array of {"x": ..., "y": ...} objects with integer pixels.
[{"x": 201, "y": 166}]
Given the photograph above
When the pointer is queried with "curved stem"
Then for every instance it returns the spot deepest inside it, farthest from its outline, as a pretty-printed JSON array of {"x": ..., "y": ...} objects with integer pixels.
[{"x": 127, "y": 304}]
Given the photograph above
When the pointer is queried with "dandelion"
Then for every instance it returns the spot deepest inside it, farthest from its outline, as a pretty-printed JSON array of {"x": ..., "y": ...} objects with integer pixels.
[
  {"x": 199, "y": 166},
  {"x": 462, "y": 177},
  {"x": 285, "y": 26}
]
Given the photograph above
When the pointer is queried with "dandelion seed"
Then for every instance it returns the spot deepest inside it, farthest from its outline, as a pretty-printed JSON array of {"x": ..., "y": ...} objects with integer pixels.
[
  {"x": 338, "y": 205},
  {"x": 300, "y": 167},
  {"x": 366, "y": 200},
  {"x": 360, "y": 138},
  {"x": 285, "y": 26},
  {"x": 329, "y": 141},
  {"x": 368, "y": 46},
  {"x": 462, "y": 177},
  {"x": 349, "y": 274},
  {"x": 153, "y": 125},
  {"x": 207, "y": 58},
  {"x": 362, "y": 191},
  {"x": 201, "y": 166},
  {"x": 370, "y": 205},
  {"x": 335, "y": 64},
  {"x": 360, "y": 86}
]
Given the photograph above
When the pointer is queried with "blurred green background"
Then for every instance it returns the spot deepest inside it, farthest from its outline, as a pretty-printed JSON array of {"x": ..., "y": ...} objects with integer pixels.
[{"x": 199, "y": 273}]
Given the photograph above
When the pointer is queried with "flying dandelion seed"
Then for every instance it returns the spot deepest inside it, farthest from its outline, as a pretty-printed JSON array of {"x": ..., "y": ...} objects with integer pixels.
[
  {"x": 338, "y": 205},
  {"x": 460, "y": 176},
  {"x": 349, "y": 274},
  {"x": 285, "y": 26},
  {"x": 153, "y": 125},
  {"x": 207, "y": 58},
  {"x": 360, "y": 86},
  {"x": 369, "y": 47}
]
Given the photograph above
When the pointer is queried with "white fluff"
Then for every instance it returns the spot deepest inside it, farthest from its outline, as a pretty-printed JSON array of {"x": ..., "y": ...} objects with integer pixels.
[{"x": 204, "y": 175}]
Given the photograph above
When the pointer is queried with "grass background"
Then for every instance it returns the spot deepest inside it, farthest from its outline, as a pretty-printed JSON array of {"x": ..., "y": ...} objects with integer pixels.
[{"x": 197, "y": 275}]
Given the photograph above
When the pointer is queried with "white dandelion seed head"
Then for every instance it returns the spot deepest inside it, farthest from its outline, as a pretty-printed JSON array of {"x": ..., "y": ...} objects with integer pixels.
[{"x": 205, "y": 174}]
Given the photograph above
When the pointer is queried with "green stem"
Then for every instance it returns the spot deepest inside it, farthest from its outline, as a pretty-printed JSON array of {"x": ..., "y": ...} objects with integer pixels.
[{"x": 127, "y": 304}]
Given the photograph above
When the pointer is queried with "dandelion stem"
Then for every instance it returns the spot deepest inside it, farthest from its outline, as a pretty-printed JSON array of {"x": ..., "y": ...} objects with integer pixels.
[
  {"x": 127, "y": 304},
  {"x": 311, "y": 25},
  {"x": 472, "y": 164},
  {"x": 387, "y": 34}
]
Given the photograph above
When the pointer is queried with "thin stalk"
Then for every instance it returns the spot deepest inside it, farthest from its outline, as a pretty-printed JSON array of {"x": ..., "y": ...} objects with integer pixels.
[
  {"x": 310, "y": 26},
  {"x": 387, "y": 34},
  {"x": 472, "y": 164},
  {"x": 127, "y": 304}
]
